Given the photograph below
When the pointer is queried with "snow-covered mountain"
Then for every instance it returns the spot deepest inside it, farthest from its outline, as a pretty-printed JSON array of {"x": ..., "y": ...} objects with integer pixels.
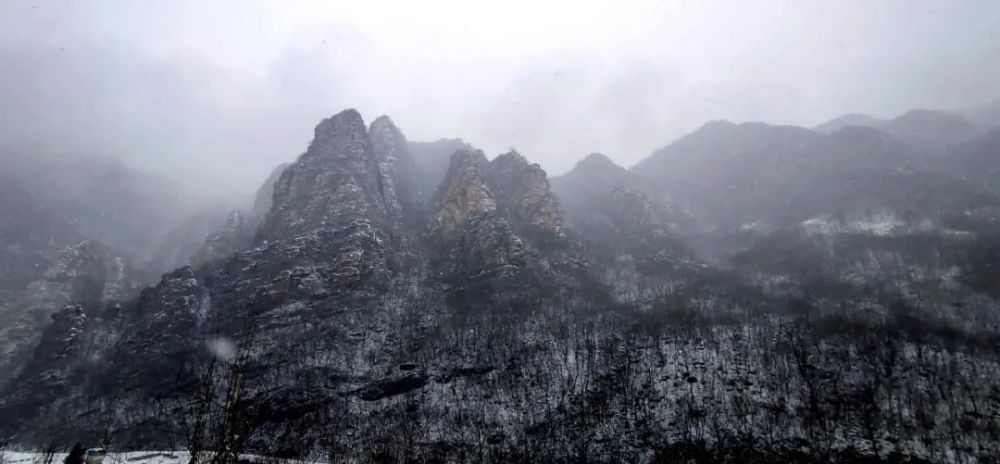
[{"x": 749, "y": 291}]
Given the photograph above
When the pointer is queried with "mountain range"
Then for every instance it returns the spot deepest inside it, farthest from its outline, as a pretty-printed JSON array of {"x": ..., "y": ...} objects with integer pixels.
[{"x": 747, "y": 292}]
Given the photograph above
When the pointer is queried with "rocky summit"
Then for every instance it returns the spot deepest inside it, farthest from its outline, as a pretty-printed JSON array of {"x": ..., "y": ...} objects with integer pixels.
[{"x": 748, "y": 292}]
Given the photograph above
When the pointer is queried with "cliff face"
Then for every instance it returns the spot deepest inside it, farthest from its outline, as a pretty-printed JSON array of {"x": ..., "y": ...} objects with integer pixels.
[
  {"x": 399, "y": 173},
  {"x": 161, "y": 337},
  {"x": 234, "y": 235},
  {"x": 523, "y": 193},
  {"x": 265, "y": 195},
  {"x": 325, "y": 273},
  {"x": 346, "y": 251},
  {"x": 52, "y": 369},
  {"x": 476, "y": 241},
  {"x": 335, "y": 182},
  {"x": 509, "y": 317},
  {"x": 86, "y": 274}
]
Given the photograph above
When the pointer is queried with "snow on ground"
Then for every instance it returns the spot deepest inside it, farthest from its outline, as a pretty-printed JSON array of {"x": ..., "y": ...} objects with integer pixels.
[
  {"x": 880, "y": 224},
  {"x": 133, "y": 457}
]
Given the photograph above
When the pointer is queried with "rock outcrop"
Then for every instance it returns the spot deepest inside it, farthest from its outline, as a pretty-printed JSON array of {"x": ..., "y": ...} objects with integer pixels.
[
  {"x": 431, "y": 160},
  {"x": 325, "y": 265},
  {"x": 478, "y": 242},
  {"x": 265, "y": 196},
  {"x": 523, "y": 193},
  {"x": 498, "y": 234},
  {"x": 398, "y": 171},
  {"x": 87, "y": 274},
  {"x": 236, "y": 234},
  {"x": 161, "y": 336},
  {"x": 54, "y": 368},
  {"x": 334, "y": 183}
]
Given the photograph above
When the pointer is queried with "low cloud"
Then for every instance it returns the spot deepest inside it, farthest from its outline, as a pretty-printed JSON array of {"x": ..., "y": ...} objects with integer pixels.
[{"x": 219, "y": 94}]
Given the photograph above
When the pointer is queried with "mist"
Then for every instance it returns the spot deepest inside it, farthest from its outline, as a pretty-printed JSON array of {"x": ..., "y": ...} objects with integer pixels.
[
  {"x": 217, "y": 94},
  {"x": 657, "y": 231}
]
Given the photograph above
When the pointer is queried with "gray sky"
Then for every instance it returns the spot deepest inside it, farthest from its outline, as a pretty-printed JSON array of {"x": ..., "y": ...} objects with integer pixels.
[{"x": 217, "y": 93}]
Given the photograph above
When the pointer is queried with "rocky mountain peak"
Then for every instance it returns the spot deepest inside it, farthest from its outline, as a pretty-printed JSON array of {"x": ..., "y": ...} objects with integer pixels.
[
  {"x": 386, "y": 139},
  {"x": 464, "y": 194},
  {"x": 523, "y": 192},
  {"x": 397, "y": 169},
  {"x": 592, "y": 176},
  {"x": 596, "y": 161},
  {"x": 49, "y": 370},
  {"x": 931, "y": 131},
  {"x": 234, "y": 235},
  {"x": 339, "y": 136},
  {"x": 334, "y": 183},
  {"x": 716, "y": 125}
]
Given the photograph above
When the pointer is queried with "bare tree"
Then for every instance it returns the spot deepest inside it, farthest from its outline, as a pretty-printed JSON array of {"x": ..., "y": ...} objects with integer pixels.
[{"x": 218, "y": 424}]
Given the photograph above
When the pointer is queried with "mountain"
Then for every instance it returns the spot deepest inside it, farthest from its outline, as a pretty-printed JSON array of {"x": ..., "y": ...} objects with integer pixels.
[
  {"x": 729, "y": 173},
  {"x": 852, "y": 119},
  {"x": 798, "y": 213},
  {"x": 332, "y": 264},
  {"x": 734, "y": 175},
  {"x": 398, "y": 170},
  {"x": 931, "y": 131},
  {"x": 235, "y": 235},
  {"x": 925, "y": 131},
  {"x": 101, "y": 198},
  {"x": 33, "y": 234},
  {"x": 986, "y": 116},
  {"x": 747, "y": 277},
  {"x": 87, "y": 274},
  {"x": 213, "y": 231},
  {"x": 335, "y": 182},
  {"x": 523, "y": 193},
  {"x": 613, "y": 211},
  {"x": 979, "y": 160},
  {"x": 477, "y": 246}
]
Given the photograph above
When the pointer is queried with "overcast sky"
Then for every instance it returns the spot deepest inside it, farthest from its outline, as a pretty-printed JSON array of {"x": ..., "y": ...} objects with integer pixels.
[{"x": 219, "y": 92}]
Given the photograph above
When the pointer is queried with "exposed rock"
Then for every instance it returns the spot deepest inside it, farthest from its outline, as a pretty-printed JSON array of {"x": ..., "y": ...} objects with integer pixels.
[
  {"x": 324, "y": 250},
  {"x": 432, "y": 160},
  {"x": 334, "y": 183},
  {"x": 52, "y": 370},
  {"x": 463, "y": 195},
  {"x": 463, "y": 372},
  {"x": 181, "y": 243},
  {"x": 478, "y": 240},
  {"x": 265, "y": 196},
  {"x": 479, "y": 255},
  {"x": 86, "y": 273},
  {"x": 393, "y": 386},
  {"x": 346, "y": 323},
  {"x": 522, "y": 191},
  {"x": 234, "y": 235},
  {"x": 161, "y": 337},
  {"x": 400, "y": 176}
]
